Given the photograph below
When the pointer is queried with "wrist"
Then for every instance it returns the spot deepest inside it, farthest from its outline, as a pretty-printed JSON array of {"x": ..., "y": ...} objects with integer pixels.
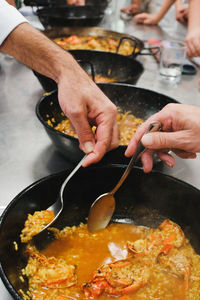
[
  {"x": 157, "y": 18},
  {"x": 63, "y": 65}
]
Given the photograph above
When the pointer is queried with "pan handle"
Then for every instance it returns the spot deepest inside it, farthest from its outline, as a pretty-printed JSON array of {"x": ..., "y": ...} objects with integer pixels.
[
  {"x": 133, "y": 40},
  {"x": 81, "y": 61},
  {"x": 150, "y": 51}
]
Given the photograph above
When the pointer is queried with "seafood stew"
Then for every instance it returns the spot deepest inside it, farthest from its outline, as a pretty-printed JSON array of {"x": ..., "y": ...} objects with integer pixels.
[
  {"x": 65, "y": 32},
  {"x": 133, "y": 262},
  {"x": 144, "y": 200},
  {"x": 75, "y": 42}
]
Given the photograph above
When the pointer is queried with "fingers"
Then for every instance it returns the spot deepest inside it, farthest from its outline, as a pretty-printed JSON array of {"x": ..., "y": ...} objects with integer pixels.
[
  {"x": 126, "y": 8},
  {"x": 80, "y": 2},
  {"x": 106, "y": 135},
  {"x": 83, "y": 130},
  {"x": 107, "y": 138},
  {"x": 141, "y": 17},
  {"x": 115, "y": 138},
  {"x": 184, "y": 154},
  {"x": 76, "y": 2},
  {"x": 138, "y": 135},
  {"x": 167, "y": 158},
  {"x": 162, "y": 140},
  {"x": 191, "y": 49},
  {"x": 147, "y": 159},
  {"x": 150, "y": 21},
  {"x": 133, "y": 8},
  {"x": 193, "y": 43}
]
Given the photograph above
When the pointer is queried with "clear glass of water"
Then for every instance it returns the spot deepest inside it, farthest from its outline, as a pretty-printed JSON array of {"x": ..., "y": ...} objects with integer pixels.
[{"x": 172, "y": 56}]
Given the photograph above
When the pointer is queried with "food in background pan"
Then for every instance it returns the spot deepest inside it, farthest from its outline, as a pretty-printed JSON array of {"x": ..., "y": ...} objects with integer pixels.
[
  {"x": 127, "y": 124},
  {"x": 122, "y": 261},
  {"x": 102, "y": 79},
  {"x": 73, "y": 42}
]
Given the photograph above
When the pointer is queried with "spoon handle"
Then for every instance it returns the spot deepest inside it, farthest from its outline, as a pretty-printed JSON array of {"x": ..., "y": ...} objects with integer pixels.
[
  {"x": 154, "y": 126},
  {"x": 71, "y": 174}
]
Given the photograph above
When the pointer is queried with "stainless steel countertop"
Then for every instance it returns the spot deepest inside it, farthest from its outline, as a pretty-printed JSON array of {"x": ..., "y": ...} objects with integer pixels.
[{"x": 26, "y": 152}]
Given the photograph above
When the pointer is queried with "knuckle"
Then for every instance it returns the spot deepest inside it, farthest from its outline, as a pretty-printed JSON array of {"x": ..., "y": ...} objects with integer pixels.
[
  {"x": 112, "y": 108},
  {"x": 170, "y": 106},
  {"x": 85, "y": 134},
  {"x": 160, "y": 140},
  {"x": 75, "y": 113}
]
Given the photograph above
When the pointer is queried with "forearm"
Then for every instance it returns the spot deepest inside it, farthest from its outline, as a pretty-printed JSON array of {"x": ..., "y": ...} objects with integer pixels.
[
  {"x": 164, "y": 9},
  {"x": 194, "y": 13},
  {"x": 34, "y": 49},
  {"x": 178, "y": 4},
  {"x": 138, "y": 2}
]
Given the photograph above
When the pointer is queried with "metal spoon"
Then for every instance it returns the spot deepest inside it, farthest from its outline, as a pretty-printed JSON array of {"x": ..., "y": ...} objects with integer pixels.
[
  {"x": 57, "y": 207},
  {"x": 103, "y": 207}
]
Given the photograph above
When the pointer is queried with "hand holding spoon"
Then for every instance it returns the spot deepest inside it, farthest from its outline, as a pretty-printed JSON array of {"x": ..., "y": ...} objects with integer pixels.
[{"x": 103, "y": 207}]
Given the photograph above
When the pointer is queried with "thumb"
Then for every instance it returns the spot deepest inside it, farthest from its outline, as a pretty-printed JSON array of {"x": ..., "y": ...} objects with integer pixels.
[{"x": 163, "y": 140}]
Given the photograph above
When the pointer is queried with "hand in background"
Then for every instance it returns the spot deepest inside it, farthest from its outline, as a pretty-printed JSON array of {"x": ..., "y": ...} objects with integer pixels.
[
  {"x": 182, "y": 15},
  {"x": 180, "y": 134},
  {"x": 147, "y": 19},
  {"x": 76, "y": 2},
  {"x": 132, "y": 8},
  {"x": 193, "y": 42}
]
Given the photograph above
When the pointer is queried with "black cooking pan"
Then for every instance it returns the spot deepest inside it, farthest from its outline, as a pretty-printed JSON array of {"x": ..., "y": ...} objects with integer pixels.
[
  {"x": 138, "y": 44},
  {"x": 70, "y": 16},
  {"x": 141, "y": 102},
  {"x": 102, "y": 4},
  {"x": 143, "y": 200},
  {"x": 121, "y": 68}
]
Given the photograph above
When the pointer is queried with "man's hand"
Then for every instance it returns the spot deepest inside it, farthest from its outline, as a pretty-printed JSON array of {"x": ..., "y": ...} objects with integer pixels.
[
  {"x": 79, "y": 97},
  {"x": 180, "y": 134},
  {"x": 86, "y": 105}
]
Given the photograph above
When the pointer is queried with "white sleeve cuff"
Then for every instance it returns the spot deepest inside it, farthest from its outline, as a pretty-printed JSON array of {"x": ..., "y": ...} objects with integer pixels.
[{"x": 10, "y": 18}]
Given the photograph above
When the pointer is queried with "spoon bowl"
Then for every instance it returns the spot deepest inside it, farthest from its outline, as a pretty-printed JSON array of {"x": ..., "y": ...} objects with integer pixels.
[{"x": 101, "y": 212}]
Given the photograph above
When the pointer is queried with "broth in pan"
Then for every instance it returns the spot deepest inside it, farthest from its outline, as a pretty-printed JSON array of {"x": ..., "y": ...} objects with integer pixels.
[{"x": 120, "y": 262}]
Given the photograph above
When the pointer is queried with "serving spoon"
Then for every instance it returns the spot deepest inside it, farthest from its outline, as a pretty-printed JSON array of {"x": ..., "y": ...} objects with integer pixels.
[
  {"x": 103, "y": 207},
  {"x": 40, "y": 238}
]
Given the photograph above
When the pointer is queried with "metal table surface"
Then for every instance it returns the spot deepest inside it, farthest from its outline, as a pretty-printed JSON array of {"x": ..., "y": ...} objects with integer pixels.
[{"x": 26, "y": 152}]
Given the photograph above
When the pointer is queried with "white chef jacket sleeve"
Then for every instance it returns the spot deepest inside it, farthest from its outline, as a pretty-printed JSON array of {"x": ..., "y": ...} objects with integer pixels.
[{"x": 10, "y": 18}]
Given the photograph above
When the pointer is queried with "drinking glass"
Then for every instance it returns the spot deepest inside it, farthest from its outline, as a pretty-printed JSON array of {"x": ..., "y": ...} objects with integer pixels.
[{"x": 172, "y": 56}]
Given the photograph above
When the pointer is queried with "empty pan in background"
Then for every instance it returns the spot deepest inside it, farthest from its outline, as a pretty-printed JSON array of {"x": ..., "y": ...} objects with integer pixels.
[
  {"x": 100, "y": 4},
  {"x": 70, "y": 16},
  {"x": 144, "y": 199},
  {"x": 141, "y": 102}
]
